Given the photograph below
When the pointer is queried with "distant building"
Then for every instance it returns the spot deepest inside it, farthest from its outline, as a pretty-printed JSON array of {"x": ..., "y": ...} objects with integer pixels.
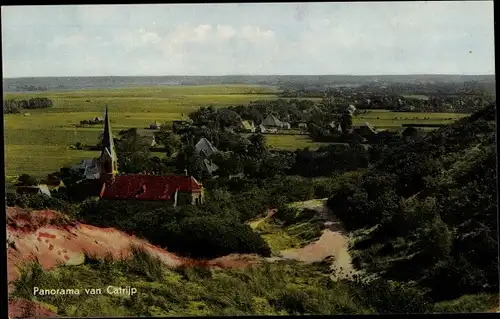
[
  {"x": 155, "y": 125},
  {"x": 205, "y": 148},
  {"x": 89, "y": 168},
  {"x": 248, "y": 126},
  {"x": 38, "y": 189},
  {"x": 55, "y": 185},
  {"x": 364, "y": 129},
  {"x": 351, "y": 109},
  {"x": 335, "y": 126},
  {"x": 261, "y": 129},
  {"x": 271, "y": 121},
  {"x": 286, "y": 125},
  {"x": 302, "y": 125},
  {"x": 210, "y": 166}
]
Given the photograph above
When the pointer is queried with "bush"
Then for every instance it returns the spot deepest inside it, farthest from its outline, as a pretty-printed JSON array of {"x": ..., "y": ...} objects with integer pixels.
[
  {"x": 210, "y": 237},
  {"x": 205, "y": 231},
  {"x": 287, "y": 214},
  {"x": 388, "y": 297}
]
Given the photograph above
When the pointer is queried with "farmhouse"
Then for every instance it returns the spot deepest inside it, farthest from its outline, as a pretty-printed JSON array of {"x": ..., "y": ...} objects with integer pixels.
[
  {"x": 351, "y": 109},
  {"x": 261, "y": 129},
  {"x": 335, "y": 126},
  {"x": 364, "y": 129},
  {"x": 88, "y": 168},
  {"x": 206, "y": 149},
  {"x": 302, "y": 126},
  {"x": 173, "y": 189},
  {"x": 248, "y": 126},
  {"x": 36, "y": 189},
  {"x": 273, "y": 122},
  {"x": 54, "y": 185}
]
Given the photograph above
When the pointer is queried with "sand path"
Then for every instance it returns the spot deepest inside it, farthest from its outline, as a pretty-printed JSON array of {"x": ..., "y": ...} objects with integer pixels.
[{"x": 333, "y": 242}]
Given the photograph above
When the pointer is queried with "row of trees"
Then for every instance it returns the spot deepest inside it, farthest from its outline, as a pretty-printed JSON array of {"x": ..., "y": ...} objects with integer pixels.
[
  {"x": 442, "y": 97},
  {"x": 29, "y": 88},
  {"x": 16, "y": 106}
]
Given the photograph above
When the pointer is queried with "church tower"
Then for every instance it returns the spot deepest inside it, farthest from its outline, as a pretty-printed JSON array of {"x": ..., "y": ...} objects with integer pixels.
[{"x": 108, "y": 159}]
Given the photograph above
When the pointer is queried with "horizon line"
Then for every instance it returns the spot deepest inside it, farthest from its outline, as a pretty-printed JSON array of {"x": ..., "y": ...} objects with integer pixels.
[{"x": 254, "y": 75}]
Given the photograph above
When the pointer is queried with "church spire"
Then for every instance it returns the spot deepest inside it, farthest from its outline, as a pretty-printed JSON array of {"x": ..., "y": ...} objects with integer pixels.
[{"x": 109, "y": 165}]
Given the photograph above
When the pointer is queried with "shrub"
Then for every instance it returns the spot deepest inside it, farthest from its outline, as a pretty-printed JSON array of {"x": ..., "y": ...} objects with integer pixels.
[
  {"x": 206, "y": 231},
  {"x": 210, "y": 237},
  {"x": 286, "y": 214}
]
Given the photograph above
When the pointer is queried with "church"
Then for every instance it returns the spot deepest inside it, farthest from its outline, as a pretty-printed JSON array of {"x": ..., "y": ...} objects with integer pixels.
[{"x": 173, "y": 189}]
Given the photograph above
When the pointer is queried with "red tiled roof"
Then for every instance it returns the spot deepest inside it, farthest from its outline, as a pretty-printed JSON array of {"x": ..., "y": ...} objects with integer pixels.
[{"x": 149, "y": 187}]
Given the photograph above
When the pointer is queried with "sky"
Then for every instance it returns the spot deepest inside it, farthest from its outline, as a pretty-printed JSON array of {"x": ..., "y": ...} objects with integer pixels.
[{"x": 355, "y": 38}]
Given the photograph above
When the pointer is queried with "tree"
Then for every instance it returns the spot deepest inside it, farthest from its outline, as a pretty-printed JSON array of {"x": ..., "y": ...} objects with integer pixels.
[
  {"x": 170, "y": 141},
  {"x": 133, "y": 151},
  {"x": 346, "y": 122},
  {"x": 229, "y": 164},
  {"x": 258, "y": 146},
  {"x": 189, "y": 160}
]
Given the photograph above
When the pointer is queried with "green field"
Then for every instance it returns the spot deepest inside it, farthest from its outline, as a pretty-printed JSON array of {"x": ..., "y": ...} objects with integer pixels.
[
  {"x": 39, "y": 143},
  {"x": 291, "y": 142},
  {"x": 416, "y": 97},
  {"x": 384, "y": 119}
]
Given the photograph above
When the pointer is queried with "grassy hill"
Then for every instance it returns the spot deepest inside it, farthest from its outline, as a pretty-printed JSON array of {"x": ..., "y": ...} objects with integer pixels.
[{"x": 426, "y": 212}]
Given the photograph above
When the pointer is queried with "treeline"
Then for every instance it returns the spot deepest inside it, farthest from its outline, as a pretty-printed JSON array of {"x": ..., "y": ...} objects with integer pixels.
[
  {"x": 465, "y": 97},
  {"x": 31, "y": 88},
  {"x": 426, "y": 212},
  {"x": 16, "y": 106}
]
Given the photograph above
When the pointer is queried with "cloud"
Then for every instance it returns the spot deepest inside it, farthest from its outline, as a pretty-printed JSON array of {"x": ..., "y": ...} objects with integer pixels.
[{"x": 253, "y": 38}]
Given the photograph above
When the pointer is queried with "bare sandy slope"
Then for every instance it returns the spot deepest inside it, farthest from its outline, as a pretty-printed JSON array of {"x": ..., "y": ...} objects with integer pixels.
[
  {"x": 52, "y": 239},
  {"x": 332, "y": 243}
]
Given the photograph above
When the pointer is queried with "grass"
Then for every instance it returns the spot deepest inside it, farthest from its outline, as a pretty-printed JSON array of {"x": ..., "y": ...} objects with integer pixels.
[
  {"x": 302, "y": 230},
  {"x": 278, "y": 288},
  {"x": 291, "y": 142},
  {"x": 416, "y": 97},
  {"x": 266, "y": 289},
  {"x": 39, "y": 160},
  {"x": 384, "y": 119}
]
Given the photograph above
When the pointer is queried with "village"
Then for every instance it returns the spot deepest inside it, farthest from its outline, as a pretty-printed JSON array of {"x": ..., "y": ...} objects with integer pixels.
[{"x": 95, "y": 169}]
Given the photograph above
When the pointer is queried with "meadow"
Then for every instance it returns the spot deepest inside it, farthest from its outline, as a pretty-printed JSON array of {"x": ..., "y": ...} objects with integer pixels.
[{"x": 39, "y": 143}]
